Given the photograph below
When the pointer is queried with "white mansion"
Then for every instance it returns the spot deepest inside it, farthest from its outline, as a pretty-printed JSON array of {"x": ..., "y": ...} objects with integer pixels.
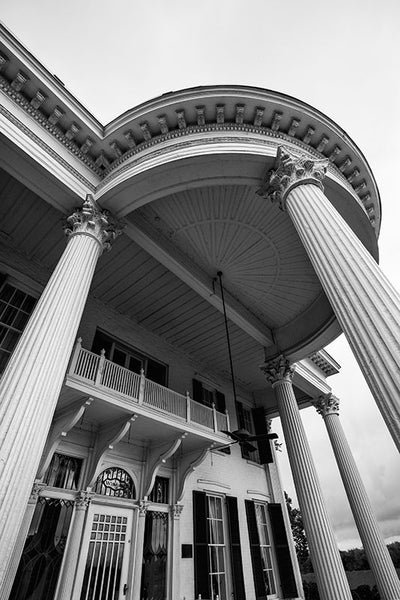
[{"x": 217, "y": 238}]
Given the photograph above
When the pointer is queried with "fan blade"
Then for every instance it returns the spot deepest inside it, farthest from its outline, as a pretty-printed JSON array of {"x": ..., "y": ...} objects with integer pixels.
[{"x": 262, "y": 436}]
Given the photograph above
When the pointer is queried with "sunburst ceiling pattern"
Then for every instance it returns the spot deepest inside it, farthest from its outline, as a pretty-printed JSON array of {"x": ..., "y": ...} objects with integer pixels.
[{"x": 231, "y": 229}]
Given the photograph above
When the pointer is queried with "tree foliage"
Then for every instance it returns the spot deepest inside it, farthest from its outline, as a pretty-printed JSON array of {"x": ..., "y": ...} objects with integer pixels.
[{"x": 299, "y": 536}]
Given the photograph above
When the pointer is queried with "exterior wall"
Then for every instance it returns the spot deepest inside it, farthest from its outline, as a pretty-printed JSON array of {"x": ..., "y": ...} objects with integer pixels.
[{"x": 214, "y": 475}]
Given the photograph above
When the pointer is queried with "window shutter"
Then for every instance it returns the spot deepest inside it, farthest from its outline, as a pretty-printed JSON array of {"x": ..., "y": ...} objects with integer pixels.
[
  {"x": 200, "y": 535},
  {"x": 239, "y": 414},
  {"x": 236, "y": 553},
  {"x": 260, "y": 427},
  {"x": 285, "y": 567},
  {"x": 220, "y": 401},
  {"x": 255, "y": 551},
  {"x": 197, "y": 391}
]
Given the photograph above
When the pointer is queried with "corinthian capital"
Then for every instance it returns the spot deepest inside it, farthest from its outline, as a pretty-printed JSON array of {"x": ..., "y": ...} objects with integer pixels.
[
  {"x": 91, "y": 220},
  {"x": 83, "y": 500},
  {"x": 290, "y": 171},
  {"x": 278, "y": 369},
  {"x": 327, "y": 404}
]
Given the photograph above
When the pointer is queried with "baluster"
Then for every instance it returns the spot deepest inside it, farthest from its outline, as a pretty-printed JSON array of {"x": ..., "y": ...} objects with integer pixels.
[
  {"x": 141, "y": 386},
  {"x": 75, "y": 355},
  {"x": 228, "y": 424},
  {"x": 188, "y": 402},
  {"x": 214, "y": 414},
  {"x": 100, "y": 367}
]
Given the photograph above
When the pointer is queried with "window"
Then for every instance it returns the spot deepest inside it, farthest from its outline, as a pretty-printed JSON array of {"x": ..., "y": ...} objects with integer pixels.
[
  {"x": 245, "y": 421},
  {"x": 155, "y": 551},
  {"x": 262, "y": 521},
  {"x": 15, "y": 309},
  {"x": 41, "y": 559},
  {"x": 217, "y": 547},
  {"x": 265, "y": 547},
  {"x": 63, "y": 472},
  {"x": 159, "y": 493},
  {"x": 130, "y": 358},
  {"x": 206, "y": 395},
  {"x": 255, "y": 422},
  {"x": 115, "y": 482}
]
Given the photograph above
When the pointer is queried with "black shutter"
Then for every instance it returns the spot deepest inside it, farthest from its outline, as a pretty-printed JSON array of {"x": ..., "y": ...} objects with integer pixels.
[
  {"x": 285, "y": 567},
  {"x": 236, "y": 553},
  {"x": 220, "y": 401},
  {"x": 200, "y": 535},
  {"x": 255, "y": 551},
  {"x": 239, "y": 415},
  {"x": 197, "y": 391},
  {"x": 260, "y": 427}
]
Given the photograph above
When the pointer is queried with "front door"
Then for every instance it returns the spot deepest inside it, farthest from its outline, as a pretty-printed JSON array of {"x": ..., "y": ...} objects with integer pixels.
[{"x": 106, "y": 551}]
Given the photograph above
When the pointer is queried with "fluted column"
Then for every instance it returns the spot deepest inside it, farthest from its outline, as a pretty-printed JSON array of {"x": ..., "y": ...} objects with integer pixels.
[
  {"x": 175, "y": 562},
  {"x": 374, "y": 545},
  {"x": 33, "y": 378},
  {"x": 138, "y": 564},
  {"x": 331, "y": 578},
  {"x": 70, "y": 562},
  {"x": 20, "y": 542},
  {"x": 365, "y": 303}
]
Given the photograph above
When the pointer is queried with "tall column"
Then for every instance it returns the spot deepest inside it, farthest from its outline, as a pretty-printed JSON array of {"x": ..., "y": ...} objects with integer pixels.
[
  {"x": 330, "y": 575},
  {"x": 374, "y": 545},
  {"x": 138, "y": 565},
  {"x": 70, "y": 562},
  {"x": 20, "y": 542},
  {"x": 31, "y": 383},
  {"x": 175, "y": 559},
  {"x": 365, "y": 303}
]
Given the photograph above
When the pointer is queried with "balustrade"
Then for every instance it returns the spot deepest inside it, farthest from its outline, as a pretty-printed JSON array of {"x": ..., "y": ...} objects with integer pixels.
[{"x": 103, "y": 373}]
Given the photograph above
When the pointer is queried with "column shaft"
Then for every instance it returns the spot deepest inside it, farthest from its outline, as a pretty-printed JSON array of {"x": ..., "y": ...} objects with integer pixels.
[
  {"x": 33, "y": 378},
  {"x": 374, "y": 545},
  {"x": 138, "y": 564},
  {"x": 72, "y": 550},
  {"x": 365, "y": 303},
  {"x": 331, "y": 578},
  {"x": 175, "y": 559}
]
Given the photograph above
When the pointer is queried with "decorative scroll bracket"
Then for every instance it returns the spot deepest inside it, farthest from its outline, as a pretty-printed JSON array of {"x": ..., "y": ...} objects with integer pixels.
[
  {"x": 63, "y": 422},
  {"x": 107, "y": 438},
  {"x": 188, "y": 463},
  {"x": 156, "y": 458}
]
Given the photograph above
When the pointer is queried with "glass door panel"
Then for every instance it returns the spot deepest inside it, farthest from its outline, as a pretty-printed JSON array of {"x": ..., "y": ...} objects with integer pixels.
[{"x": 107, "y": 554}]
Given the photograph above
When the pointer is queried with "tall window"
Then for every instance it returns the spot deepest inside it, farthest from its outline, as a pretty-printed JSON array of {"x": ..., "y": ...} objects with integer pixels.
[
  {"x": 130, "y": 358},
  {"x": 265, "y": 547},
  {"x": 160, "y": 490},
  {"x": 216, "y": 548},
  {"x": 15, "y": 309},
  {"x": 63, "y": 471}
]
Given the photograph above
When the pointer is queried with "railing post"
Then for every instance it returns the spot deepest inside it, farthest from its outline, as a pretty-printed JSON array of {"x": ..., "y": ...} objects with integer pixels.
[
  {"x": 228, "y": 424},
  {"x": 141, "y": 386},
  {"x": 100, "y": 368},
  {"x": 188, "y": 401},
  {"x": 215, "y": 417},
  {"x": 75, "y": 355}
]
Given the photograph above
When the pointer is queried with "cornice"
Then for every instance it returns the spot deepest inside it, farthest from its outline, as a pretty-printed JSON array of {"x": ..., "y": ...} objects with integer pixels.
[{"x": 245, "y": 110}]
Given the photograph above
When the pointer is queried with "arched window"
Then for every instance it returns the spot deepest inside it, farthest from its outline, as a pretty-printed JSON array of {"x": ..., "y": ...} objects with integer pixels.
[{"x": 115, "y": 482}]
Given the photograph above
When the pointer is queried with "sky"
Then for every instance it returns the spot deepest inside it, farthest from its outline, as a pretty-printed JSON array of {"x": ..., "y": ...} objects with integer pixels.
[{"x": 341, "y": 57}]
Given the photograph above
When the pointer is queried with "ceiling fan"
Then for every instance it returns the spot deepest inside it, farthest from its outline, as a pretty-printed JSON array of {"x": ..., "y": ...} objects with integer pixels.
[{"x": 243, "y": 438}]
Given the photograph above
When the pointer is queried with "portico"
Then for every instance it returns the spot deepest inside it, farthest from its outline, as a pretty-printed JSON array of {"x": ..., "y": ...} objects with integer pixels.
[{"x": 182, "y": 177}]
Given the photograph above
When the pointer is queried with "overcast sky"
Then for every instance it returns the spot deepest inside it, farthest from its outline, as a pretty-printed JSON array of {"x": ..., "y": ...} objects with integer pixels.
[{"x": 341, "y": 57}]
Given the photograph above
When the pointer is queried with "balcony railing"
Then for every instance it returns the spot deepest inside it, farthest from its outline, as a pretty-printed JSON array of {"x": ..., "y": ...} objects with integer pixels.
[{"x": 106, "y": 375}]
